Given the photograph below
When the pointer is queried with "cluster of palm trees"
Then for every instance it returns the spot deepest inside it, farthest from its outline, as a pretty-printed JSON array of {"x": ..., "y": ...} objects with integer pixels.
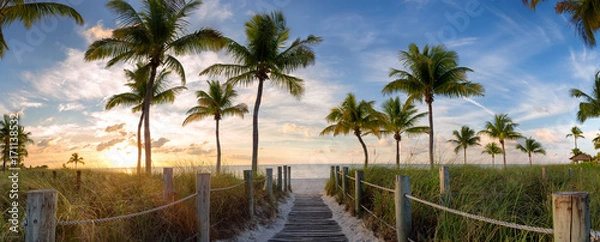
[{"x": 10, "y": 130}]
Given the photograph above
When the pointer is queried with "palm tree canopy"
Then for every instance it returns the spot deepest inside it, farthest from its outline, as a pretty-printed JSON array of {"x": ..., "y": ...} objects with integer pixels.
[
  {"x": 30, "y": 12},
  {"x": 464, "y": 138},
  {"x": 217, "y": 102},
  {"x": 531, "y": 146},
  {"x": 502, "y": 128},
  {"x": 266, "y": 56},
  {"x": 492, "y": 149},
  {"x": 575, "y": 132},
  {"x": 360, "y": 118},
  {"x": 590, "y": 107},
  {"x": 402, "y": 118},
  {"x": 22, "y": 136},
  {"x": 434, "y": 71}
]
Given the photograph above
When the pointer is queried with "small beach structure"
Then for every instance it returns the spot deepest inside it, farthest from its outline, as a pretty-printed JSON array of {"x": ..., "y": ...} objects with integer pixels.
[{"x": 581, "y": 157}]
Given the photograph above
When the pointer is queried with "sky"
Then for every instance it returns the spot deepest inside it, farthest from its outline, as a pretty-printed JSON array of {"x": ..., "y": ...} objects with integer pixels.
[{"x": 526, "y": 60}]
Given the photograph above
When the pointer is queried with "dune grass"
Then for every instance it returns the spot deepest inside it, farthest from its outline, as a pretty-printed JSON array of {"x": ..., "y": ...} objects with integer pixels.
[
  {"x": 104, "y": 194},
  {"x": 518, "y": 194}
]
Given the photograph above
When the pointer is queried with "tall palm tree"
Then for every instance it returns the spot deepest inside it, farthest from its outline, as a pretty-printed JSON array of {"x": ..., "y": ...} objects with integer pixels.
[
  {"x": 153, "y": 37},
  {"x": 502, "y": 128},
  {"x": 434, "y": 71},
  {"x": 29, "y": 12},
  {"x": 590, "y": 108},
  {"x": 75, "y": 158},
  {"x": 584, "y": 16},
  {"x": 596, "y": 142},
  {"x": 531, "y": 146},
  {"x": 359, "y": 118},
  {"x": 464, "y": 138},
  {"x": 492, "y": 149},
  {"x": 401, "y": 118},
  {"x": 575, "y": 133},
  {"x": 267, "y": 57},
  {"x": 138, "y": 85},
  {"x": 10, "y": 129},
  {"x": 218, "y": 103}
]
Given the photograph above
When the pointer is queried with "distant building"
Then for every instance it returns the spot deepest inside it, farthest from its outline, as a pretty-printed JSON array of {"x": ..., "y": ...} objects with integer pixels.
[{"x": 581, "y": 157}]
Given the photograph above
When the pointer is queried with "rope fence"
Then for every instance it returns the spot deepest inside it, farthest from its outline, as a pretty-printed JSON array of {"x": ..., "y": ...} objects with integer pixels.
[
  {"x": 226, "y": 188},
  {"x": 378, "y": 187},
  {"x": 378, "y": 218}
]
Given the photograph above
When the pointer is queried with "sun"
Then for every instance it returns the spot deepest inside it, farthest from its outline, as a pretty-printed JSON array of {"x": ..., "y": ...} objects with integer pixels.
[{"x": 121, "y": 155}]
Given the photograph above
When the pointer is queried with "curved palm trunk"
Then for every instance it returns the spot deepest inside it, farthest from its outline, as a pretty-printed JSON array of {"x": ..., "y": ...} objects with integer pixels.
[
  {"x": 397, "y": 153},
  {"x": 146, "y": 110},
  {"x": 575, "y": 138},
  {"x": 464, "y": 155},
  {"x": 529, "y": 154},
  {"x": 362, "y": 143},
  {"x": 255, "y": 126},
  {"x": 430, "y": 134},
  {"x": 218, "y": 149},
  {"x": 503, "y": 153},
  {"x": 139, "y": 144}
]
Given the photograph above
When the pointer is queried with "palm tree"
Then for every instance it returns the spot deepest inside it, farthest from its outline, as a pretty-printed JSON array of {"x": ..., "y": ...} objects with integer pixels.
[
  {"x": 575, "y": 133},
  {"x": 218, "y": 103},
  {"x": 152, "y": 37},
  {"x": 492, "y": 149},
  {"x": 590, "y": 108},
  {"x": 10, "y": 129},
  {"x": 75, "y": 158},
  {"x": 464, "y": 138},
  {"x": 584, "y": 16},
  {"x": 138, "y": 83},
  {"x": 596, "y": 142},
  {"x": 502, "y": 128},
  {"x": 30, "y": 12},
  {"x": 434, "y": 71},
  {"x": 401, "y": 118},
  {"x": 266, "y": 57},
  {"x": 360, "y": 118},
  {"x": 531, "y": 146}
]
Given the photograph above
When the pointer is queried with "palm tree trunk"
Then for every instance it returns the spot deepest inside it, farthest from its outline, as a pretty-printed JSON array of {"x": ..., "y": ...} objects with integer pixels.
[
  {"x": 575, "y": 138},
  {"x": 397, "y": 154},
  {"x": 146, "y": 109},
  {"x": 464, "y": 155},
  {"x": 139, "y": 144},
  {"x": 218, "y": 149},
  {"x": 255, "y": 127},
  {"x": 362, "y": 143},
  {"x": 430, "y": 134},
  {"x": 503, "y": 153},
  {"x": 530, "y": 163},
  {"x": 493, "y": 163}
]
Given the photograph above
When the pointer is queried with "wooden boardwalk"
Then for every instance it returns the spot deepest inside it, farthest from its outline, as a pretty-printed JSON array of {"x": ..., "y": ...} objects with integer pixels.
[{"x": 310, "y": 220}]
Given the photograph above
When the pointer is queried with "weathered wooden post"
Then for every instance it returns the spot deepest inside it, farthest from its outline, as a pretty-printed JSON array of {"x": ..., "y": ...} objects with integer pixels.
[
  {"x": 544, "y": 174},
  {"x": 279, "y": 186},
  {"x": 358, "y": 191},
  {"x": 78, "y": 180},
  {"x": 337, "y": 179},
  {"x": 249, "y": 192},
  {"x": 571, "y": 216},
  {"x": 285, "y": 178},
  {"x": 54, "y": 174},
  {"x": 168, "y": 192},
  {"x": 289, "y": 188},
  {"x": 41, "y": 215},
  {"x": 444, "y": 186},
  {"x": 403, "y": 207},
  {"x": 203, "y": 206},
  {"x": 344, "y": 183},
  {"x": 270, "y": 184},
  {"x": 332, "y": 173}
]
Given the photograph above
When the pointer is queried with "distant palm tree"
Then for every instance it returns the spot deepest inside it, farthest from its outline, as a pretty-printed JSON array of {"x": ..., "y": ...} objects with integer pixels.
[
  {"x": 138, "y": 85},
  {"x": 596, "y": 142},
  {"x": 575, "y": 133},
  {"x": 152, "y": 37},
  {"x": 584, "y": 16},
  {"x": 531, "y": 146},
  {"x": 218, "y": 103},
  {"x": 590, "y": 108},
  {"x": 502, "y": 128},
  {"x": 464, "y": 138},
  {"x": 401, "y": 118},
  {"x": 10, "y": 129},
  {"x": 492, "y": 149},
  {"x": 75, "y": 158},
  {"x": 267, "y": 56},
  {"x": 30, "y": 12},
  {"x": 434, "y": 71},
  {"x": 359, "y": 118}
]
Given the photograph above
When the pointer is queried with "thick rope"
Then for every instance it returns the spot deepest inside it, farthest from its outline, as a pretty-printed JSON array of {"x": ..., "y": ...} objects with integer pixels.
[
  {"x": 227, "y": 188},
  {"x": 379, "y": 187},
  {"x": 381, "y": 220}
]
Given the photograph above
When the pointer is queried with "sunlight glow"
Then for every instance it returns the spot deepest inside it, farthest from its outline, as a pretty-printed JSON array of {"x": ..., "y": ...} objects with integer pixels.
[{"x": 121, "y": 155}]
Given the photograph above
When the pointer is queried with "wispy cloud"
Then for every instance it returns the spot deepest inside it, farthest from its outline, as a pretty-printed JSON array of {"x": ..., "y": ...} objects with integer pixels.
[{"x": 70, "y": 107}]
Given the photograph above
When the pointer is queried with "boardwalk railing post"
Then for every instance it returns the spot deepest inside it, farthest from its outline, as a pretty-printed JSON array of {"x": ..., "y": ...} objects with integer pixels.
[
  {"x": 168, "y": 193},
  {"x": 403, "y": 208},
  {"x": 337, "y": 179},
  {"x": 444, "y": 186},
  {"x": 285, "y": 178},
  {"x": 571, "y": 216},
  {"x": 203, "y": 206},
  {"x": 289, "y": 187},
  {"x": 358, "y": 191},
  {"x": 41, "y": 215},
  {"x": 544, "y": 175},
  {"x": 344, "y": 183},
  {"x": 270, "y": 184},
  {"x": 249, "y": 192},
  {"x": 279, "y": 186}
]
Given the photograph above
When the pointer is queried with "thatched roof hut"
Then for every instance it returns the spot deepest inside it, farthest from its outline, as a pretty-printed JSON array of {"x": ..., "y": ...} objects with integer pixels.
[{"x": 581, "y": 157}]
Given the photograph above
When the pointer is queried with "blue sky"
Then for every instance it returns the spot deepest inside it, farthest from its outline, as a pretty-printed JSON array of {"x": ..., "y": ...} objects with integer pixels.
[{"x": 527, "y": 61}]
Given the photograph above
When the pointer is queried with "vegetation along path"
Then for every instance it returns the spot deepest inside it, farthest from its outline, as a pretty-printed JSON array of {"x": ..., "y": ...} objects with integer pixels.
[{"x": 310, "y": 220}]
